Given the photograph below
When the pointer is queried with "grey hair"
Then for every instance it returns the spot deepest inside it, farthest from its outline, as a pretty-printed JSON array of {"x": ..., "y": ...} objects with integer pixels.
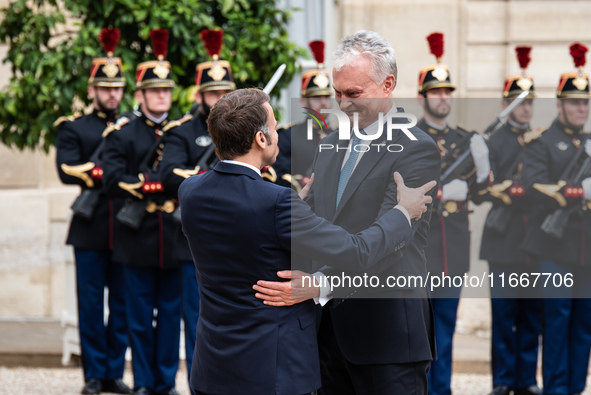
[{"x": 375, "y": 47}]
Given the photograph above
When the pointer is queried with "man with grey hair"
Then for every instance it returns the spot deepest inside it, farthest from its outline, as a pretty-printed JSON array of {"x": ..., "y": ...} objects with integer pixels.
[
  {"x": 241, "y": 228},
  {"x": 379, "y": 340}
]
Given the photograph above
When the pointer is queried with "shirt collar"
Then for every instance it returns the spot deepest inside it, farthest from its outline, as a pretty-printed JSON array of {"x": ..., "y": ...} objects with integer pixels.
[
  {"x": 157, "y": 121},
  {"x": 235, "y": 162},
  {"x": 568, "y": 130},
  {"x": 436, "y": 129},
  {"x": 521, "y": 127}
]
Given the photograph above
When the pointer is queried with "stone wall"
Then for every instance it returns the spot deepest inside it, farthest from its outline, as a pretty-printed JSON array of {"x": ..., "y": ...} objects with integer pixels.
[
  {"x": 480, "y": 37},
  {"x": 34, "y": 212}
]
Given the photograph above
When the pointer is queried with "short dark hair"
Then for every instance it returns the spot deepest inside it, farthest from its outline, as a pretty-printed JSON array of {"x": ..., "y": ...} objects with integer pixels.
[{"x": 235, "y": 119}]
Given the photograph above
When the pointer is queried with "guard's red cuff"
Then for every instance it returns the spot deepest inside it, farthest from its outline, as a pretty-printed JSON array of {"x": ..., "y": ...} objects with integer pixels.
[
  {"x": 152, "y": 187},
  {"x": 573, "y": 192},
  {"x": 439, "y": 193},
  {"x": 96, "y": 173},
  {"x": 516, "y": 190}
]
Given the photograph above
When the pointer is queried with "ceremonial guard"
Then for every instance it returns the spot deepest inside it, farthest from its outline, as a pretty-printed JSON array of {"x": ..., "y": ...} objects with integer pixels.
[
  {"x": 296, "y": 146},
  {"x": 189, "y": 151},
  {"x": 556, "y": 175},
  {"x": 145, "y": 228},
  {"x": 448, "y": 248},
  {"x": 79, "y": 147},
  {"x": 516, "y": 314}
]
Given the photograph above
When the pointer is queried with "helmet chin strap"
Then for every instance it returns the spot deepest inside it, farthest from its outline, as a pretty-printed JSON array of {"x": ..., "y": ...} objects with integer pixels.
[
  {"x": 205, "y": 108},
  {"x": 565, "y": 116}
]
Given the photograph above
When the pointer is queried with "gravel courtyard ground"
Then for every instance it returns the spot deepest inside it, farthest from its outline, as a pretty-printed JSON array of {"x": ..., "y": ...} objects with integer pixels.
[{"x": 68, "y": 381}]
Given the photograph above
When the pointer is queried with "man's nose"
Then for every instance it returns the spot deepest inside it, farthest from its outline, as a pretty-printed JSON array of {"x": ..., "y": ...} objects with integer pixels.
[{"x": 344, "y": 102}]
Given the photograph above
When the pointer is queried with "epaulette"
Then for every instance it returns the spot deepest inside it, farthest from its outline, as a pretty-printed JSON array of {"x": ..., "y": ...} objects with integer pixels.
[
  {"x": 115, "y": 126},
  {"x": 176, "y": 123},
  {"x": 68, "y": 118},
  {"x": 532, "y": 135}
]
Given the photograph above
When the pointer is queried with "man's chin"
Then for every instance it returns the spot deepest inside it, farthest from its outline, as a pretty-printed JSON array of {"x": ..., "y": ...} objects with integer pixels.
[{"x": 441, "y": 116}]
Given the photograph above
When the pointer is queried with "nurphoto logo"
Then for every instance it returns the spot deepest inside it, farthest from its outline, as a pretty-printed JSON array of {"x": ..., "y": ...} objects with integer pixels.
[{"x": 405, "y": 122}]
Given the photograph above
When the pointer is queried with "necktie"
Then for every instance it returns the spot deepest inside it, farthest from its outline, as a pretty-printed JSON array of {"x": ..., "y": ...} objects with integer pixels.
[{"x": 347, "y": 170}]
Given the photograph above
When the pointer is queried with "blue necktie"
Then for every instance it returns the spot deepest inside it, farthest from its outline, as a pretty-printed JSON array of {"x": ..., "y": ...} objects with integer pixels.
[{"x": 347, "y": 170}]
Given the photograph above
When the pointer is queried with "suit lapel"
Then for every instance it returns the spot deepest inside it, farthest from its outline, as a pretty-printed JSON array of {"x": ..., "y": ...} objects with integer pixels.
[
  {"x": 367, "y": 162},
  {"x": 327, "y": 172}
]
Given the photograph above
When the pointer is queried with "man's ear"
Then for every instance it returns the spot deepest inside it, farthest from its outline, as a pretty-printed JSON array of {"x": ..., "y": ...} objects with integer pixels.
[
  {"x": 260, "y": 140},
  {"x": 138, "y": 94},
  {"x": 421, "y": 100},
  {"x": 198, "y": 97},
  {"x": 90, "y": 90},
  {"x": 389, "y": 84}
]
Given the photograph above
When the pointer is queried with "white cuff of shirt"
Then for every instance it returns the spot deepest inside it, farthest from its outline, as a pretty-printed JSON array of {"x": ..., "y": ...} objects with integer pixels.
[
  {"x": 319, "y": 277},
  {"x": 405, "y": 212},
  {"x": 325, "y": 292}
]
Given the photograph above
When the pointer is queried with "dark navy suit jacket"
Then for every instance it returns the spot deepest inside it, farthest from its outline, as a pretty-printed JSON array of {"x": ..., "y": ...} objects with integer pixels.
[
  {"x": 242, "y": 229},
  {"x": 385, "y": 324}
]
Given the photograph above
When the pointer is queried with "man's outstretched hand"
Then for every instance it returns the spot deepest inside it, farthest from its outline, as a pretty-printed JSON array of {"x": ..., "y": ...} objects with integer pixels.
[
  {"x": 287, "y": 293},
  {"x": 306, "y": 189},
  {"x": 414, "y": 200}
]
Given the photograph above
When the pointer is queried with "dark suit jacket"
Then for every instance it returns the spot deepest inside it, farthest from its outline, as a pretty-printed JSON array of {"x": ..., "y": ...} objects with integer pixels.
[
  {"x": 397, "y": 327},
  {"x": 241, "y": 229}
]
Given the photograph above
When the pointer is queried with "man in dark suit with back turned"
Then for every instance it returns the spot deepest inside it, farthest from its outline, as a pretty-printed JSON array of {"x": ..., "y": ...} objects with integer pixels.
[
  {"x": 189, "y": 151},
  {"x": 241, "y": 228},
  {"x": 382, "y": 344}
]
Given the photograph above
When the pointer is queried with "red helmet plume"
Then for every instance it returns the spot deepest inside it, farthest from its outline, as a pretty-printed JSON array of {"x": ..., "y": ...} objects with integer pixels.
[
  {"x": 159, "y": 42},
  {"x": 109, "y": 39},
  {"x": 436, "y": 44},
  {"x": 317, "y": 48},
  {"x": 213, "y": 41}
]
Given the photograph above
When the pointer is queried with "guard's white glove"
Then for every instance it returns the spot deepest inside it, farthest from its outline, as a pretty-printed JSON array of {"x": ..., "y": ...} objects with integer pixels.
[
  {"x": 588, "y": 147},
  {"x": 455, "y": 190},
  {"x": 586, "y": 183},
  {"x": 479, "y": 151},
  {"x": 121, "y": 120}
]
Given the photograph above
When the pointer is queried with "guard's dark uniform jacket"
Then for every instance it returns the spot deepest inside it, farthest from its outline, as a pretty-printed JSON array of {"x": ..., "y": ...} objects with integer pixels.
[
  {"x": 545, "y": 159},
  {"x": 127, "y": 147},
  {"x": 188, "y": 151},
  {"x": 296, "y": 154},
  {"x": 506, "y": 192},
  {"x": 448, "y": 247},
  {"x": 78, "y": 138}
]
